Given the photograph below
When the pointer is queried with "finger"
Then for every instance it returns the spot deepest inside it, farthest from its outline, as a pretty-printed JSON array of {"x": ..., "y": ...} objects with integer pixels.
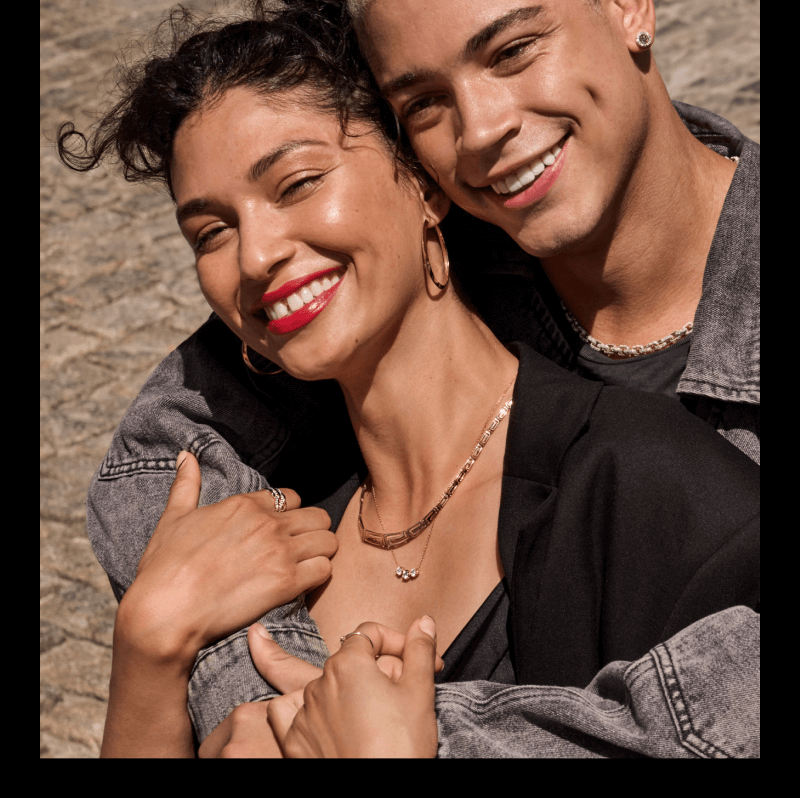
[
  {"x": 382, "y": 640},
  {"x": 266, "y": 498},
  {"x": 281, "y": 713},
  {"x": 184, "y": 494},
  {"x": 386, "y": 641},
  {"x": 317, "y": 543},
  {"x": 391, "y": 666},
  {"x": 419, "y": 654},
  {"x": 312, "y": 573},
  {"x": 280, "y": 669}
]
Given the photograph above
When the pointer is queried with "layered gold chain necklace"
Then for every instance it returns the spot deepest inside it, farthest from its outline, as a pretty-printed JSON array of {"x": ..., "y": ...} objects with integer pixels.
[{"x": 397, "y": 539}]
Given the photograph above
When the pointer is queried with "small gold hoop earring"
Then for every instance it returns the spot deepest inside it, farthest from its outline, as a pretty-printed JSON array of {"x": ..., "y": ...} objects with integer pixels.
[
  {"x": 445, "y": 256},
  {"x": 252, "y": 367},
  {"x": 644, "y": 39}
]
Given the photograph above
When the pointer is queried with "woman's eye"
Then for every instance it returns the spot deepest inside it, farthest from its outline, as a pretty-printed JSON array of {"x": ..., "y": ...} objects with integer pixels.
[
  {"x": 299, "y": 185},
  {"x": 204, "y": 239}
]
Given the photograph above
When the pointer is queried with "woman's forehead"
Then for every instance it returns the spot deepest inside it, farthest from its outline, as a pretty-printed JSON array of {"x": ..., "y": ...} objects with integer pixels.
[{"x": 243, "y": 133}]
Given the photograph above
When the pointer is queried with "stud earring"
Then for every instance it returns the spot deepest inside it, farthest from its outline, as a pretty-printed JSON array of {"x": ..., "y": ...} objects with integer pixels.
[{"x": 644, "y": 39}]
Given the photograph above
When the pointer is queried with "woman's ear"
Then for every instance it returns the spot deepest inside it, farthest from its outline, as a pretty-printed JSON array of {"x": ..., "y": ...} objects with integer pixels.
[{"x": 435, "y": 203}]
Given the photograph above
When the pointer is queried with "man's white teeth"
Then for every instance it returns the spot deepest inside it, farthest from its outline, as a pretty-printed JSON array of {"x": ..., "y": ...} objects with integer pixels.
[
  {"x": 525, "y": 176},
  {"x": 302, "y": 296}
]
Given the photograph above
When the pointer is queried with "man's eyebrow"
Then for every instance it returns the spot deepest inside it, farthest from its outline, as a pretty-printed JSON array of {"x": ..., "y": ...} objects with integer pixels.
[
  {"x": 486, "y": 34},
  {"x": 480, "y": 39},
  {"x": 404, "y": 81},
  {"x": 273, "y": 156}
]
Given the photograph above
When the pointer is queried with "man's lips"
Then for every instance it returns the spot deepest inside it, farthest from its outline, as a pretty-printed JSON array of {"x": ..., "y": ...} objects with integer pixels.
[
  {"x": 542, "y": 184},
  {"x": 287, "y": 289}
]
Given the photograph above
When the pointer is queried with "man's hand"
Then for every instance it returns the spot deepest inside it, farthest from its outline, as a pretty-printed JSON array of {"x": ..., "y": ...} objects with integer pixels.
[{"x": 359, "y": 707}]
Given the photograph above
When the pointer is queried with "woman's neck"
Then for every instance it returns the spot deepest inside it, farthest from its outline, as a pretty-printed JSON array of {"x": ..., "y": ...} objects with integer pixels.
[{"x": 420, "y": 407}]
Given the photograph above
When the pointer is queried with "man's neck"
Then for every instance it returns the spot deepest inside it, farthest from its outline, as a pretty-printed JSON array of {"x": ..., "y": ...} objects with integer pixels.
[{"x": 641, "y": 277}]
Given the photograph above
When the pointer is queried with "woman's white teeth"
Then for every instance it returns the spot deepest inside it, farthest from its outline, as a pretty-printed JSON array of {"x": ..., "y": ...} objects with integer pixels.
[
  {"x": 525, "y": 176},
  {"x": 300, "y": 297}
]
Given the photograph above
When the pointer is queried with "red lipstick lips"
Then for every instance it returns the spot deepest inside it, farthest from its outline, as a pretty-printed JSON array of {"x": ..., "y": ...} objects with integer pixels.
[
  {"x": 302, "y": 316},
  {"x": 287, "y": 289}
]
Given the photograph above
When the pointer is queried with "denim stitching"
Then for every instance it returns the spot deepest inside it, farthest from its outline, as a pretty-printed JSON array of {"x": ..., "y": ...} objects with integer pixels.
[
  {"x": 108, "y": 471},
  {"x": 679, "y": 709}
]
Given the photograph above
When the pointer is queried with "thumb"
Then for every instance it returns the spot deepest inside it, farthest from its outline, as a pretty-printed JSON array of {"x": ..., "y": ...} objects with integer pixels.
[
  {"x": 184, "y": 494},
  {"x": 419, "y": 652},
  {"x": 283, "y": 671}
]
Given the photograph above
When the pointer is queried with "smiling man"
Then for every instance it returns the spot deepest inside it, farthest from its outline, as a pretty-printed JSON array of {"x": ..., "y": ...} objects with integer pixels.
[{"x": 550, "y": 121}]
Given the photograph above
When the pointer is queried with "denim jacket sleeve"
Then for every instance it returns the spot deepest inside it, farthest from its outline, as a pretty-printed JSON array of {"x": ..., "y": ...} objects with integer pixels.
[{"x": 694, "y": 696}]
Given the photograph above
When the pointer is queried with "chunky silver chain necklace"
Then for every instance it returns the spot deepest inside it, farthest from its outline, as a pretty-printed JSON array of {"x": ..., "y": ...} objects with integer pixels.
[{"x": 622, "y": 350}]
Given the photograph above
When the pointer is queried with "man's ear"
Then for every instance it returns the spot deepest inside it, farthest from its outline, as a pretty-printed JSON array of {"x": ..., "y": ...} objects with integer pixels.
[
  {"x": 435, "y": 203},
  {"x": 632, "y": 17}
]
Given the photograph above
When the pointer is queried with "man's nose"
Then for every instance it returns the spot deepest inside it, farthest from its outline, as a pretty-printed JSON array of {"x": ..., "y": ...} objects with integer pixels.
[
  {"x": 264, "y": 246},
  {"x": 486, "y": 118}
]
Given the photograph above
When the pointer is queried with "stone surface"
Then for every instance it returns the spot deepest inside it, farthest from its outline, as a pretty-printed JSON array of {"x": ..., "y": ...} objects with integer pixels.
[{"x": 118, "y": 293}]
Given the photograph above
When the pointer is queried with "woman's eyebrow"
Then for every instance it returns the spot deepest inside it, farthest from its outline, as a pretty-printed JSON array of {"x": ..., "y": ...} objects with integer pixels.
[
  {"x": 195, "y": 206},
  {"x": 273, "y": 156},
  {"x": 474, "y": 43}
]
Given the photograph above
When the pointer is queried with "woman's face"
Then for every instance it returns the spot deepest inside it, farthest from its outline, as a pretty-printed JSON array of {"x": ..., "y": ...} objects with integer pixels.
[{"x": 307, "y": 242}]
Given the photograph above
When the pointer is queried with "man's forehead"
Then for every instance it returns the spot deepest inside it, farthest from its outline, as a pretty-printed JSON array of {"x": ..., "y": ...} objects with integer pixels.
[{"x": 403, "y": 35}]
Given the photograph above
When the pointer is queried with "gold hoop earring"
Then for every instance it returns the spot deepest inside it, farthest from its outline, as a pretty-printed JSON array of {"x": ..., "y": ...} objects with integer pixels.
[
  {"x": 252, "y": 367},
  {"x": 445, "y": 256}
]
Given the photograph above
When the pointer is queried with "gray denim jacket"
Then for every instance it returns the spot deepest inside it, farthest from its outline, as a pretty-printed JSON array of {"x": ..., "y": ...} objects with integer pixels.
[{"x": 696, "y": 695}]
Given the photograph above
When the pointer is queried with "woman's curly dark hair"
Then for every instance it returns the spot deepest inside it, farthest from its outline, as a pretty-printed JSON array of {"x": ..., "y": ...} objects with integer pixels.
[{"x": 193, "y": 61}]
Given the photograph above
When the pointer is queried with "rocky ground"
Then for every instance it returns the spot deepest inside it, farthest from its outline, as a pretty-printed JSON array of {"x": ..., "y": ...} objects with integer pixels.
[{"x": 118, "y": 293}]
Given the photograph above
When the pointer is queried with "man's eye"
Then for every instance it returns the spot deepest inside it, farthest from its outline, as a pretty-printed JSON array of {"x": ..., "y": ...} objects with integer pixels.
[
  {"x": 417, "y": 107},
  {"x": 515, "y": 50}
]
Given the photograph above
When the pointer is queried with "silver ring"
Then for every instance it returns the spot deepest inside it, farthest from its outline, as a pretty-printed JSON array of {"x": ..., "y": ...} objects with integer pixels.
[
  {"x": 344, "y": 637},
  {"x": 280, "y": 499}
]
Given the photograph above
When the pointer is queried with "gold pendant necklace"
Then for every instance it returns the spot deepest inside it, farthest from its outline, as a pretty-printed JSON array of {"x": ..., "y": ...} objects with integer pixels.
[{"x": 397, "y": 539}]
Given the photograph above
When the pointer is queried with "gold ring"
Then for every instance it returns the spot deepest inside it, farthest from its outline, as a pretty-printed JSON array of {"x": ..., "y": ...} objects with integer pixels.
[
  {"x": 280, "y": 499},
  {"x": 344, "y": 637}
]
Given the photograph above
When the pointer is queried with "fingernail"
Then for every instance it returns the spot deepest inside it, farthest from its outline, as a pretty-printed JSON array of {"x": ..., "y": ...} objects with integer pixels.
[
  {"x": 181, "y": 459},
  {"x": 428, "y": 626},
  {"x": 262, "y": 631}
]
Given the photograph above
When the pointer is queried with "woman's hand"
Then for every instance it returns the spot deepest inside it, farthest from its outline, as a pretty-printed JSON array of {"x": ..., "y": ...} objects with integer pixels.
[
  {"x": 355, "y": 709},
  {"x": 210, "y": 571},
  {"x": 244, "y": 734}
]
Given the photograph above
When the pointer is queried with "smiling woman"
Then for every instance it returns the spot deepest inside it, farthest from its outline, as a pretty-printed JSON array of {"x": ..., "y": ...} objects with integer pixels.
[{"x": 509, "y": 488}]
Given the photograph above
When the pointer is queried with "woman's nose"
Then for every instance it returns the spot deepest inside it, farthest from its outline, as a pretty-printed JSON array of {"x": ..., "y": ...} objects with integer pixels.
[
  {"x": 485, "y": 118},
  {"x": 263, "y": 248}
]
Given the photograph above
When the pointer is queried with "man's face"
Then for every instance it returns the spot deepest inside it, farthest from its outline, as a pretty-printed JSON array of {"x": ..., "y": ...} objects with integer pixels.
[{"x": 495, "y": 94}]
